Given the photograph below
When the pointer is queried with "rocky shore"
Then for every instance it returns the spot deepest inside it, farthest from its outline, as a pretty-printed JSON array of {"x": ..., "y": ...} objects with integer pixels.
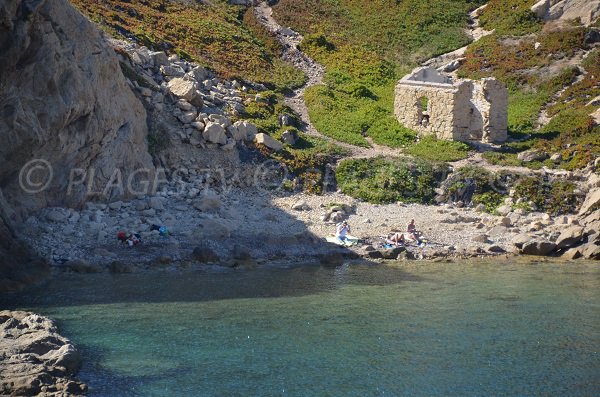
[
  {"x": 245, "y": 227},
  {"x": 35, "y": 360}
]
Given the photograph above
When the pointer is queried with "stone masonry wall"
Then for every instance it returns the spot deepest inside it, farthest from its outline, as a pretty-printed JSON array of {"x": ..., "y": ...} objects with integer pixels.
[
  {"x": 437, "y": 118},
  {"x": 464, "y": 111}
]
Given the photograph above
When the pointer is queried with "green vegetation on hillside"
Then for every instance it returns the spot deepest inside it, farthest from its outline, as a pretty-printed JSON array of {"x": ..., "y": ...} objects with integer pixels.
[
  {"x": 432, "y": 149},
  {"x": 366, "y": 47},
  {"x": 214, "y": 34},
  {"x": 535, "y": 78},
  {"x": 551, "y": 195},
  {"x": 510, "y": 17}
]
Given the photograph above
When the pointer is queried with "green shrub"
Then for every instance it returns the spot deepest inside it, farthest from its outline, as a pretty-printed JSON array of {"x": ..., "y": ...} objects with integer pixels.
[
  {"x": 432, "y": 149},
  {"x": 491, "y": 200},
  {"x": 383, "y": 180},
  {"x": 552, "y": 196}
]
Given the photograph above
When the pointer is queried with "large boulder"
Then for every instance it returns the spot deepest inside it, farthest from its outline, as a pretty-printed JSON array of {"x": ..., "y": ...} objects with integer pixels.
[
  {"x": 205, "y": 255},
  {"x": 181, "y": 88},
  {"x": 572, "y": 253},
  {"x": 570, "y": 236},
  {"x": 591, "y": 251},
  {"x": 592, "y": 201},
  {"x": 35, "y": 359},
  {"x": 215, "y": 133},
  {"x": 213, "y": 229},
  {"x": 539, "y": 248},
  {"x": 532, "y": 155},
  {"x": 208, "y": 202},
  {"x": 243, "y": 131},
  {"x": 269, "y": 142},
  {"x": 521, "y": 239}
]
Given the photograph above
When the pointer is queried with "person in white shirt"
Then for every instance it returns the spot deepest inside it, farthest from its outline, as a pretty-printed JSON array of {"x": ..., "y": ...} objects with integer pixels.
[{"x": 341, "y": 230}]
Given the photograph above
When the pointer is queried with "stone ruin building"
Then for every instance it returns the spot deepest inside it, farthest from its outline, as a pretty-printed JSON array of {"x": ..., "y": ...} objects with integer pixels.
[{"x": 465, "y": 110}]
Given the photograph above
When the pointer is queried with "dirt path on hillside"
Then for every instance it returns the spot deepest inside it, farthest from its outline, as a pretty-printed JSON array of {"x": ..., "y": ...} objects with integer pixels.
[{"x": 290, "y": 40}]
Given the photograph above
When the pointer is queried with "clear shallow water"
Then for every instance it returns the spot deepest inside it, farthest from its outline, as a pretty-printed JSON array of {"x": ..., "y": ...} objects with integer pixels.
[{"x": 422, "y": 330}]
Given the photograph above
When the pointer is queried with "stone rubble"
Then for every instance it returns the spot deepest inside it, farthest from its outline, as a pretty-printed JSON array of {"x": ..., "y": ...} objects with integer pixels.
[{"x": 208, "y": 108}]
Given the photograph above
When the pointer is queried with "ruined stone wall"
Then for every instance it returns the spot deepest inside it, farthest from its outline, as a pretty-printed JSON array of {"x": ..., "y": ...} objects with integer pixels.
[
  {"x": 437, "y": 118},
  {"x": 464, "y": 111},
  {"x": 496, "y": 94}
]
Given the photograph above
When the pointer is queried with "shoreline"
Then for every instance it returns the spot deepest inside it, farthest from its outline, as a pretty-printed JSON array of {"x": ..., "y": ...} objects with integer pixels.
[{"x": 244, "y": 228}]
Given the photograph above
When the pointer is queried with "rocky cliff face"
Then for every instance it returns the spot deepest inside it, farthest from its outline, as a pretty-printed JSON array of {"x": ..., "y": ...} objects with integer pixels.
[
  {"x": 65, "y": 102},
  {"x": 63, "y": 99}
]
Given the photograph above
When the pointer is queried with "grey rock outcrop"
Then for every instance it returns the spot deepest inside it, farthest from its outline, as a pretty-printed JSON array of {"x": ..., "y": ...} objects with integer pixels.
[
  {"x": 64, "y": 99},
  {"x": 35, "y": 359},
  {"x": 585, "y": 10}
]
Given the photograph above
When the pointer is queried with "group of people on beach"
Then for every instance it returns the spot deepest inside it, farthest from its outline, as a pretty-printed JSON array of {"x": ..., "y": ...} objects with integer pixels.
[
  {"x": 412, "y": 234},
  {"x": 395, "y": 238}
]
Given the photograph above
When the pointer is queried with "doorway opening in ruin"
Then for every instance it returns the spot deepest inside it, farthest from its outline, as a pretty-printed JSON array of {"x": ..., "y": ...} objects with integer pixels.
[{"x": 423, "y": 111}]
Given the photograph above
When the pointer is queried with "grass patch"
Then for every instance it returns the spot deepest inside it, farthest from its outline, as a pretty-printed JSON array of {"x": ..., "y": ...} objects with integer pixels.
[
  {"x": 382, "y": 180},
  {"x": 432, "y": 149}
]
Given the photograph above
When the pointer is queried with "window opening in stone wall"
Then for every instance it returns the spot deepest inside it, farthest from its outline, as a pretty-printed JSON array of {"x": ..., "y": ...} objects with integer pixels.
[{"x": 423, "y": 109}]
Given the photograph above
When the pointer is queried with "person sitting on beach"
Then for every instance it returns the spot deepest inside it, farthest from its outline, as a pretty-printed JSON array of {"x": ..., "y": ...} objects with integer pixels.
[
  {"x": 396, "y": 239},
  {"x": 341, "y": 230},
  {"x": 413, "y": 232}
]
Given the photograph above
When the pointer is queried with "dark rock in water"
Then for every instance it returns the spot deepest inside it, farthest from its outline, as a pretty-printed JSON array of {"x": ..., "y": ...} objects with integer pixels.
[
  {"x": 392, "y": 253},
  {"x": 332, "y": 258},
  {"x": 119, "y": 267},
  {"x": 36, "y": 360},
  {"x": 539, "y": 248},
  {"x": 205, "y": 255},
  {"x": 351, "y": 255}
]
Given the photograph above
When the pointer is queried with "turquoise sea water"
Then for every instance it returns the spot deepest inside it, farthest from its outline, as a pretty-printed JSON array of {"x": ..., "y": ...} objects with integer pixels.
[{"x": 412, "y": 330}]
